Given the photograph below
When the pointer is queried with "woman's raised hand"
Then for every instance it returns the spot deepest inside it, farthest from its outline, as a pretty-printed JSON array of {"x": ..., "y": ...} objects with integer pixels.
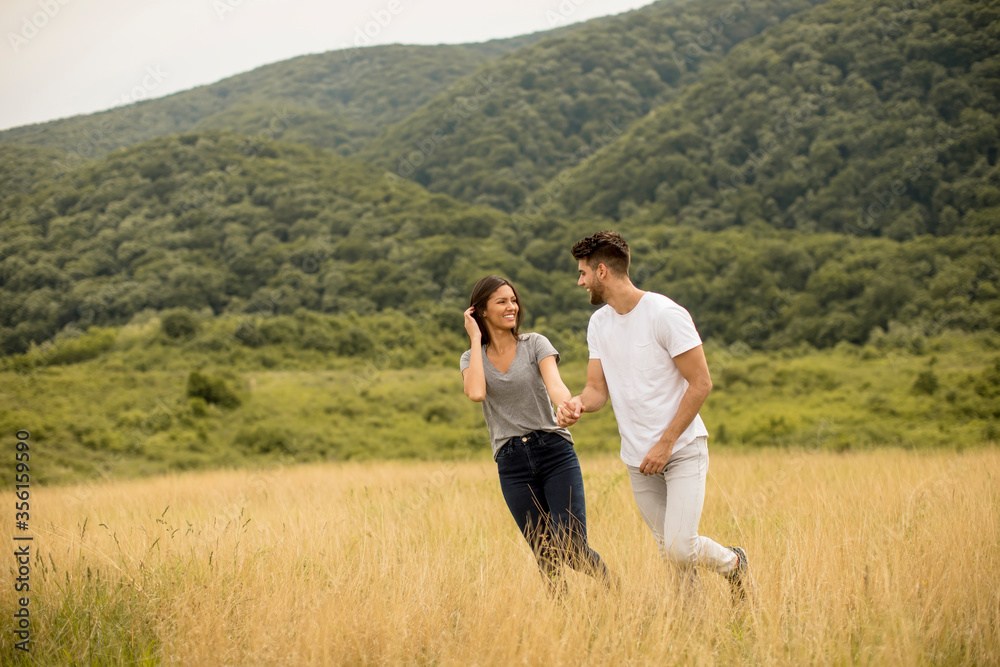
[{"x": 471, "y": 326}]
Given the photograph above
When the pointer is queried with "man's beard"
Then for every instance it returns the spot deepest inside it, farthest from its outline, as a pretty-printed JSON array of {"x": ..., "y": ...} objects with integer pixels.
[{"x": 597, "y": 293}]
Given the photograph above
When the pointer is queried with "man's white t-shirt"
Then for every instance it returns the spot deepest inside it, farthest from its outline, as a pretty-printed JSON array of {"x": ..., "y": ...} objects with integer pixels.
[{"x": 636, "y": 351}]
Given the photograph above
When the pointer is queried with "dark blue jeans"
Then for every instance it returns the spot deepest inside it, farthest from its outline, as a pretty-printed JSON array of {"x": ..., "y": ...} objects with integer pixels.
[{"x": 541, "y": 481}]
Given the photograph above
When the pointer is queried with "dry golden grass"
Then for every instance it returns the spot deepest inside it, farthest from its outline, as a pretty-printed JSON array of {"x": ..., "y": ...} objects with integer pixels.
[{"x": 885, "y": 557}]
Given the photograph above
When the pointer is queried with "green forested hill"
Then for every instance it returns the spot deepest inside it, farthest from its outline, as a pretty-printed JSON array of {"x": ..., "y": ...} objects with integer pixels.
[
  {"x": 496, "y": 135},
  {"x": 887, "y": 109},
  {"x": 857, "y": 117},
  {"x": 22, "y": 168},
  {"x": 208, "y": 223},
  {"x": 335, "y": 99}
]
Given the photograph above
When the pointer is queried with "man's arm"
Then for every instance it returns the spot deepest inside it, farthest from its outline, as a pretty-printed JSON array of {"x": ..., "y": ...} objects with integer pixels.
[
  {"x": 694, "y": 368},
  {"x": 592, "y": 399}
]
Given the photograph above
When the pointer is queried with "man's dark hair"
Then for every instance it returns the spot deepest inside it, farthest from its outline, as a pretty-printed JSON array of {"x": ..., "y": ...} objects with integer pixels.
[{"x": 607, "y": 248}]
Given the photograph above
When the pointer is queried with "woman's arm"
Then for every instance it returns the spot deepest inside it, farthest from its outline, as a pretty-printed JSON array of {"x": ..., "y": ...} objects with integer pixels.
[
  {"x": 558, "y": 392},
  {"x": 474, "y": 376}
]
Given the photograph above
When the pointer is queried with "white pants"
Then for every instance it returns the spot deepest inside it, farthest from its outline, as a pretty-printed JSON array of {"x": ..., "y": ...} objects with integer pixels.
[{"x": 671, "y": 502}]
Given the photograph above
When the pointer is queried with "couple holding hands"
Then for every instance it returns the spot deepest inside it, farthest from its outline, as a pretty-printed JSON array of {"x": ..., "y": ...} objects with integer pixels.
[{"x": 647, "y": 357}]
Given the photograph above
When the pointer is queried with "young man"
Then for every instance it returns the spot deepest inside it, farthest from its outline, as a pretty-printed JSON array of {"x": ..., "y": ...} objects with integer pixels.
[{"x": 645, "y": 353}]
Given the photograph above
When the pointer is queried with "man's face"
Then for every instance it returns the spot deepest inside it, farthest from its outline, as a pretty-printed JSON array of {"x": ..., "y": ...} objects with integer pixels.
[{"x": 590, "y": 280}]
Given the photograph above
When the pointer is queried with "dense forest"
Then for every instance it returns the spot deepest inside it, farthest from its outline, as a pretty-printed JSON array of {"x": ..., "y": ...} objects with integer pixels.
[
  {"x": 813, "y": 181},
  {"x": 208, "y": 221},
  {"x": 497, "y": 135},
  {"x": 851, "y": 118}
]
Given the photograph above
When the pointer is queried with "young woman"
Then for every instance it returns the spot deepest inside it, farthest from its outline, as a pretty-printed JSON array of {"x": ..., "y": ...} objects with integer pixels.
[{"x": 515, "y": 377}]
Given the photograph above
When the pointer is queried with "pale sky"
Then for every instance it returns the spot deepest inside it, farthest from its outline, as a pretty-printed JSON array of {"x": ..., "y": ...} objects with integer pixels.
[{"x": 65, "y": 57}]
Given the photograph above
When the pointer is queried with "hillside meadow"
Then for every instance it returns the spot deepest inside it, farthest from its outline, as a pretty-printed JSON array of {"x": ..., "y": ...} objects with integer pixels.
[
  {"x": 118, "y": 403},
  {"x": 876, "y": 557}
]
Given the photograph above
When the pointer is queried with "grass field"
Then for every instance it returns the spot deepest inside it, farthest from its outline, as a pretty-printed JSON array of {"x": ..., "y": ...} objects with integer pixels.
[{"x": 875, "y": 557}]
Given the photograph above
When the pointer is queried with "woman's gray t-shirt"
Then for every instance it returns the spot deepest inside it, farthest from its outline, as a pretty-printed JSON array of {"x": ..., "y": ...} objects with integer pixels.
[{"x": 517, "y": 402}]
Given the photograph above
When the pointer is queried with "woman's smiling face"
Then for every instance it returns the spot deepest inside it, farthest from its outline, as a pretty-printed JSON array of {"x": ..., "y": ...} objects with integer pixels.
[{"x": 501, "y": 308}]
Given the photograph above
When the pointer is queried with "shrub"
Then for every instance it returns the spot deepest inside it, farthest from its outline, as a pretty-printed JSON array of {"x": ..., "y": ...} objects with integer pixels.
[
  {"x": 278, "y": 330},
  {"x": 212, "y": 390},
  {"x": 438, "y": 413},
  {"x": 264, "y": 440},
  {"x": 179, "y": 323},
  {"x": 926, "y": 383},
  {"x": 987, "y": 384},
  {"x": 198, "y": 406},
  {"x": 355, "y": 342},
  {"x": 80, "y": 348}
]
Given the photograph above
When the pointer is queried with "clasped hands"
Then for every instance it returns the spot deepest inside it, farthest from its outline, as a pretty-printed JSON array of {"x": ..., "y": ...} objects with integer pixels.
[{"x": 569, "y": 411}]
